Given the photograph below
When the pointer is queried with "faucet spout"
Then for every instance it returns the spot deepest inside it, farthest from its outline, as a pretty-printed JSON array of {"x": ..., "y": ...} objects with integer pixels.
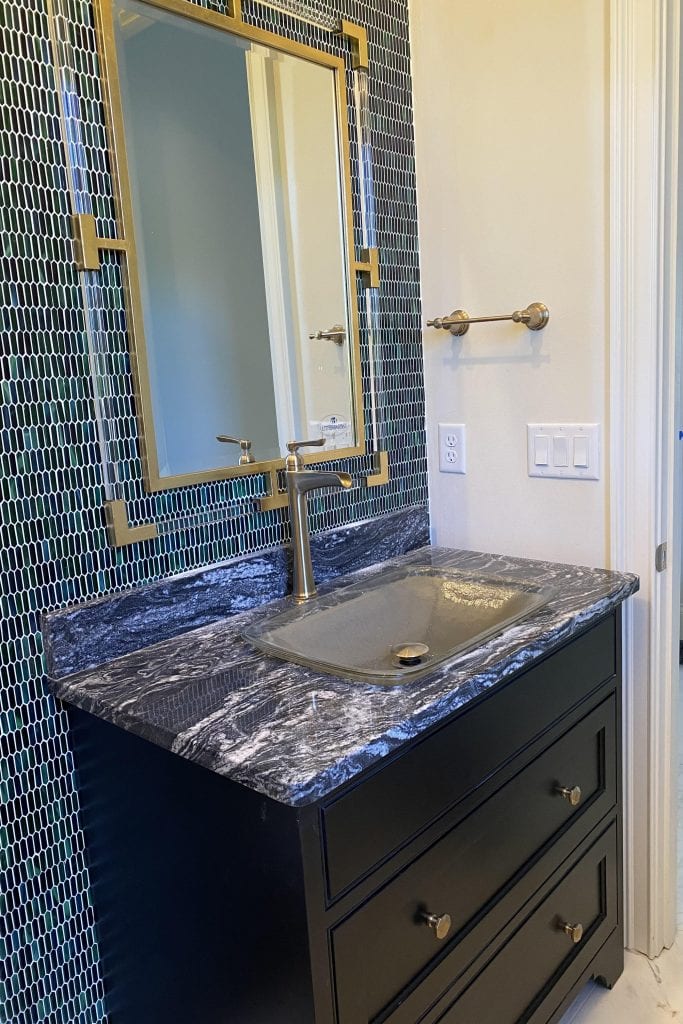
[
  {"x": 299, "y": 483},
  {"x": 303, "y": 481}
]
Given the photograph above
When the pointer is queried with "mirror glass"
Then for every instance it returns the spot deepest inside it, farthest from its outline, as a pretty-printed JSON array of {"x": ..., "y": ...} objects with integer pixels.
[{"x": 238, "y": 194}]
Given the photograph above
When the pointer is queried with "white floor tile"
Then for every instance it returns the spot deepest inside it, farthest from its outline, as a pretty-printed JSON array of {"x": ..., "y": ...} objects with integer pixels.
[{"x": 648, "y": 992}]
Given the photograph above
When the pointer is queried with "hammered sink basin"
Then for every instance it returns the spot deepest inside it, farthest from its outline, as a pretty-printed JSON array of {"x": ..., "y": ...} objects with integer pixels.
[{"x": 396, "y": 626}]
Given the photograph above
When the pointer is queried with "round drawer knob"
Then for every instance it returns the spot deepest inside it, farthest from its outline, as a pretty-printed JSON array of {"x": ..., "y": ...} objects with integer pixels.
[
  {"x": 572, "y": 795},
  {"x": 439, "y": 923},
  {"x": 574, "y": 931}
]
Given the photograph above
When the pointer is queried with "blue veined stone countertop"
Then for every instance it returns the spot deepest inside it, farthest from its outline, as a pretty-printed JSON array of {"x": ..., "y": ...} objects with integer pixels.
[{"x": 296, "y": 734}]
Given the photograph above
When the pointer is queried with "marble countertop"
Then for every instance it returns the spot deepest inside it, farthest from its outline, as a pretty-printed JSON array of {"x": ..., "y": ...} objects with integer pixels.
[{"x": 295, "y": 734}]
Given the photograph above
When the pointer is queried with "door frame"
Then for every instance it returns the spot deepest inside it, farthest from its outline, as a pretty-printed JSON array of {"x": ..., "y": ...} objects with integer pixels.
[{"x": 645, "y": 471}]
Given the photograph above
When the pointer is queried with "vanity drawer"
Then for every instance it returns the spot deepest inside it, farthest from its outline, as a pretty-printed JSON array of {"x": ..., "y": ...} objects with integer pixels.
[
  {"x": 366, "y": 825},
  {"x": 382, "y": 951},
  {"x": 515, "y": 982}
]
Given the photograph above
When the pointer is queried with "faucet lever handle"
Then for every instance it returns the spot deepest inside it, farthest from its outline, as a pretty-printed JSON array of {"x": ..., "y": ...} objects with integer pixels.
[
  {"x": 246, "y": 457},
  {"x": 293, "y": 446},
  {"x": 294, "y": 462}
]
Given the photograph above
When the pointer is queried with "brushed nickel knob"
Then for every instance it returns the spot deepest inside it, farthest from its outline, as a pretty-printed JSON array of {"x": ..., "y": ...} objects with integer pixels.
[
  {"x": 572, "y": 795},
  {"x": 439, "y": 923},
  {"x": 574, "y": 931}
]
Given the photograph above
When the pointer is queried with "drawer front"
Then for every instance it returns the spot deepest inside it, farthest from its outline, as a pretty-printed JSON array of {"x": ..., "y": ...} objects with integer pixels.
[
  {"x": 366, "y": 825},
  {"x": 382, "y": 951},
  {"x": 532, "y": 961}
]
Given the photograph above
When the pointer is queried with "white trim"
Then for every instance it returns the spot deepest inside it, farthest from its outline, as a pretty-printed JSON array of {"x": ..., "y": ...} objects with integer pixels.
[
  {"x": 644, "y": 105},
  {"x": 664, "y": 690}
]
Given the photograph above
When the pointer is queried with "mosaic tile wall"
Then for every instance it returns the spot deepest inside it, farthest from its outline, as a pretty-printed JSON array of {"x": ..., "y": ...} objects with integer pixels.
[{"x": 54, "y": 546}]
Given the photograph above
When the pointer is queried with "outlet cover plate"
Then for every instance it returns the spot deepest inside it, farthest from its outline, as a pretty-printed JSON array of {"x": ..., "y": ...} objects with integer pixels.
[{"x": 452, "y": 448}]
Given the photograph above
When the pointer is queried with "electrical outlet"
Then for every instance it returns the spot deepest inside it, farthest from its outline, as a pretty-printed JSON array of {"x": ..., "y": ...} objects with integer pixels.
[{"x": 452, "y": 448}]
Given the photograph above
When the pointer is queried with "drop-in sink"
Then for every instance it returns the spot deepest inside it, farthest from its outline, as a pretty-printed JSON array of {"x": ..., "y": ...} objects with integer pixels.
[{"x": 396, "y": 626}]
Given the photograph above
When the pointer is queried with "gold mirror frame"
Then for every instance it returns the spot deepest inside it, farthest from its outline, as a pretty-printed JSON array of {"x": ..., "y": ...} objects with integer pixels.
[{"x": 88, "y": 244}]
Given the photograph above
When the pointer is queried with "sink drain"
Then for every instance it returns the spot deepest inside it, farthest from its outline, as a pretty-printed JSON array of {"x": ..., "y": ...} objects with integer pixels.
[{"x": 409, "y": 654}]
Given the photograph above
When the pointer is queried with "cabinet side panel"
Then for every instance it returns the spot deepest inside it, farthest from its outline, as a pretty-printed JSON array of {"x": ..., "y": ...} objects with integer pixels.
[{"x": 198, "y": 888}]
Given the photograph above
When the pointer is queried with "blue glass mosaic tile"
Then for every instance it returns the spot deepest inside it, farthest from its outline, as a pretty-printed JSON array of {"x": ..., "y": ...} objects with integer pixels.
[{"x": 54, "y": 545}]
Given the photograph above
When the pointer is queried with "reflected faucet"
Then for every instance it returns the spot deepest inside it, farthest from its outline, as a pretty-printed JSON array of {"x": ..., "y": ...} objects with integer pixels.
[
  {"x": 246, "y": 456},
  {"x": 299, "y": 482}
]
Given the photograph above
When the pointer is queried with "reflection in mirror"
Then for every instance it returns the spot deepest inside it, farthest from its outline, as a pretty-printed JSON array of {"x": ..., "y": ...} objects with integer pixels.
[{"x": 238, "y": 201}]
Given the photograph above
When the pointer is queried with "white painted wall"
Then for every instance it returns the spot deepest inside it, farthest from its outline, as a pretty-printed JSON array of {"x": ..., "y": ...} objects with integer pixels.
[{"x": 511, "y": 109}]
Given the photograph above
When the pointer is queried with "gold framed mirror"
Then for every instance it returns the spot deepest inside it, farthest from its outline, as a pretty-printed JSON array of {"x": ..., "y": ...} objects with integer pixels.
[{"x": 230, "y": 157}]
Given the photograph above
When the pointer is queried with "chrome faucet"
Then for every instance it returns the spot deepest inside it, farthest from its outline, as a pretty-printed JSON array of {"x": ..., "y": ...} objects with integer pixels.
[{"x": 299, "y": 482}]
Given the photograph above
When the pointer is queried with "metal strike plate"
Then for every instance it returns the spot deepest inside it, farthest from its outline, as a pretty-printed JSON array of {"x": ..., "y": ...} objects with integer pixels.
[{"x": 661, "y": 557}]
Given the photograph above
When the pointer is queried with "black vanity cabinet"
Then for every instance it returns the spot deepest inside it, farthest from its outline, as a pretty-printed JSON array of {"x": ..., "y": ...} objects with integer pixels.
[{"x": 473, "y": 877}]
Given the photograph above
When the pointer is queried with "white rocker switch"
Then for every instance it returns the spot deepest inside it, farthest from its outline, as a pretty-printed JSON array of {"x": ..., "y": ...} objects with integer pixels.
[
  {"x": 542, "y": 450},
  {"x": 563, "y": 450},
  {"x": 581, "y": 451},
  {"x": 560, "y": 451}
]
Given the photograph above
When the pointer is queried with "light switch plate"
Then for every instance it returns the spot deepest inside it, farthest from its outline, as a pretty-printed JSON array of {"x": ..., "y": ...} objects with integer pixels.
[
  {"x": 452, "y": 448},
  {"x": 564, "y": 450}
]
